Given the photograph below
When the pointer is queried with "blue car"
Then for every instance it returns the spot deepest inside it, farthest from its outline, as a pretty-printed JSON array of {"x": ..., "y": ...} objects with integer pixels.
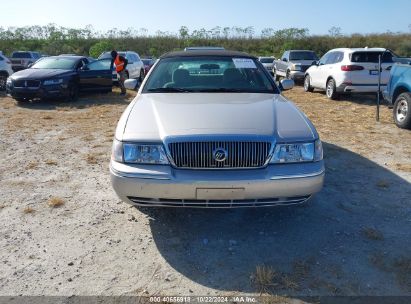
[
  {"x": 60, "y": 77},
  {"x": 398, "y": 93}
]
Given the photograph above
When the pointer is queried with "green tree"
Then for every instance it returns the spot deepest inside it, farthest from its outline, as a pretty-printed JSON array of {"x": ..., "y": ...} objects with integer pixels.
[{"x": 100, "y": 47}]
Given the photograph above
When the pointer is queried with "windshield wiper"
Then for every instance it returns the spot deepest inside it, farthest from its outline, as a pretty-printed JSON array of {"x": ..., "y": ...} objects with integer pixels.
[
  {"x": 223, "y": 90},
  {"x": 169, "y": 90}
]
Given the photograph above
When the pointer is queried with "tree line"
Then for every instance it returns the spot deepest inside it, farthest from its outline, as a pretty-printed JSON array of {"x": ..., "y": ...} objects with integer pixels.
[{"x": 52, "y": 40}]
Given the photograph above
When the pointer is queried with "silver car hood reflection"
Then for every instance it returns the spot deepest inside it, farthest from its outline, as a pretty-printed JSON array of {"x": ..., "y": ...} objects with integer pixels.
[{"x": 156, "y": 116}]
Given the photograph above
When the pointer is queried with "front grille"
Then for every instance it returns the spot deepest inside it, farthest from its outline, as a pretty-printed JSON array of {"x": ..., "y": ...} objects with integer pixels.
[
  {"x": 264, "y": 202},
  {"x": 26, "y": 83},
  {"x": 245, "y": 154}
]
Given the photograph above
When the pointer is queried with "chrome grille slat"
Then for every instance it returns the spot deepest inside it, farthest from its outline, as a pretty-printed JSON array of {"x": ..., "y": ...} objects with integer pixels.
[{"x": 199, "y": 154}]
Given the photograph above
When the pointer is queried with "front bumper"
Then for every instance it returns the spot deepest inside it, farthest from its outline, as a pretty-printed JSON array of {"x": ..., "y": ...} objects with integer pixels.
[
  {"x": 42, "y": 92},
  {"x": 354, "y": 88},
  {"x": 151, "y": 185},
  {"x": 297, "y": 75}
]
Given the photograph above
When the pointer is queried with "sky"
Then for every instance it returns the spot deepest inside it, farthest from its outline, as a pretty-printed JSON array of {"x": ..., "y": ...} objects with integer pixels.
[{"x": 352, "y": 16}]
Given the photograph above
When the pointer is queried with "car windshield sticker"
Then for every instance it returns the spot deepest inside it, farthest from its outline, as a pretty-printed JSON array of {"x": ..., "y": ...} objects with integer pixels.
[{"x": 244, "y": 63}]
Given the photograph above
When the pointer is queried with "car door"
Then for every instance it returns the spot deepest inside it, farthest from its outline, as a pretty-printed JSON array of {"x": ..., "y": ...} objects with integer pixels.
[
  {"x": 96, "y": 76},
  {"x": 315, "y": 71},
  {"x": 319, "y": 77}
]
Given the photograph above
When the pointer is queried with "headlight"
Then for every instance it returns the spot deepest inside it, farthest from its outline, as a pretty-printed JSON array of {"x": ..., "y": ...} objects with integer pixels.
[
  {"x": 297, "y": 152},
  {"x": 53, "y": 81},
  {"x": 8, "y": 81},
  {"x": 296, "y": 67},
  {"x": 144, "y": 154}
]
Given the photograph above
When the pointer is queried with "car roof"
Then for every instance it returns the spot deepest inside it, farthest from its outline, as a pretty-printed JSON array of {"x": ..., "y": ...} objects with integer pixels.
[
  {"x": 200, "y": 53},
  {"x": 301, "y": 51},
  {"x": 77, "y": 57},
  {"x": 352, "y": 50}
]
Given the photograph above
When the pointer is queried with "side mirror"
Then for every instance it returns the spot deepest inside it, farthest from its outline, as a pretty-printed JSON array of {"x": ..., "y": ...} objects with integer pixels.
[
  {"x": 130, "y": 84},
  {"x": 84, "y": 68},
  {"x": 315, "y": 62},
  {"x": 286, "y": 84},
  {"x": 30, "y": 65},
  {"x": 284, "y": 59}
]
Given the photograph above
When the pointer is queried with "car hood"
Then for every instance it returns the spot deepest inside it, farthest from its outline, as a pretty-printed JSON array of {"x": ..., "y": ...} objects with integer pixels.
[
  {"x": 156, "y": 116},
  {"x": 39, "y": 73}
]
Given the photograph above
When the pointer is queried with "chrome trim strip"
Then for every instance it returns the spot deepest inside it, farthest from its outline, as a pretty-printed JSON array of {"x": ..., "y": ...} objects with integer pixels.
[
  {"x": 137, "y": 175},
  {"x": 315, "y": 174}
]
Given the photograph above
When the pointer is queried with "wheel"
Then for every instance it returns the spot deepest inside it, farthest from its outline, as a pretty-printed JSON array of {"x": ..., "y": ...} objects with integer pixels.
[
  {"x": 307, "y": 85},
  {"x": 73, "y": 92},
  {"x": 3, "y": 80},
  {"x": 330, "y": 90},
  {"x": 402, "y": 111},
  {"x": 288, "y": 75},
  {"x": 275, "y": 76},
  {"x": 141, "y": 77}
]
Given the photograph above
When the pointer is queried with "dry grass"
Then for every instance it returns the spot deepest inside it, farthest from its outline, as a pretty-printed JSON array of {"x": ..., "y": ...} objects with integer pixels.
[
  {"x": 263, "y": 278},
  {"x": 28, "y": 210},
  {"x": 372, "y": 234},
  {"x": 32, "y": 165},
  {"x": 51, "y": 162},
  {"x": 55, "y": 202},
  {"x": 91, "y": 159},
  {"x": 402, "y": 166},
  {"x": 400, "y": 267},
  {"x": 402, "y": 270},
  {"x": 47, "y": 117}
]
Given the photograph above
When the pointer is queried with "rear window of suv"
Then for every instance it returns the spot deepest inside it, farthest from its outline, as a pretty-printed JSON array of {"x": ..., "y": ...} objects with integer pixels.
[
  {"x": 303, "y": 55},
  {"x": 370, "y": 57},
  {"x": 21, "y": 55}
]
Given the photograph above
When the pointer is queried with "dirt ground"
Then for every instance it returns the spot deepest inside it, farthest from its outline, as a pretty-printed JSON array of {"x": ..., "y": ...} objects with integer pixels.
[{"x": 63, "y": 231}]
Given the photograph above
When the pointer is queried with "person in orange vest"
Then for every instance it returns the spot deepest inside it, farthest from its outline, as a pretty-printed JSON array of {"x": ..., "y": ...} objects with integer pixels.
[{"x": 120, "y": 62}]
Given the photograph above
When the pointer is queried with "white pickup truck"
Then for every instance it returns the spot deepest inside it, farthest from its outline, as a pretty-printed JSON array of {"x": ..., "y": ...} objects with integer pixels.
[{"x": 293, "y": 64}]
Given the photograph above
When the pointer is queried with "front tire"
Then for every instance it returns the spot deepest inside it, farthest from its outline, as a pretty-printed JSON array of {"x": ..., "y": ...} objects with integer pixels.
[
  {"x": 331, "y": 90},
  {"x": 402, "y": 111},
  {"x": 307, "y": 84}
]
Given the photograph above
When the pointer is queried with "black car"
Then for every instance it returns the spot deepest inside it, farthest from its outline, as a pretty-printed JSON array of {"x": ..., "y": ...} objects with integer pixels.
[{"x": 60, "y": 77}]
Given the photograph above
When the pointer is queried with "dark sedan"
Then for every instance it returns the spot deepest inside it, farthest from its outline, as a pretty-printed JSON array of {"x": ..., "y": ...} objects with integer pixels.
[{"x": 60, "y": 77}]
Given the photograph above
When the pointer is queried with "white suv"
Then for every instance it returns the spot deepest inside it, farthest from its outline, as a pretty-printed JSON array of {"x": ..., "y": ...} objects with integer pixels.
[
  {"x": 5, "y": 71},
  {"x": 347, "y": 70},
  {"x": 134, "y": 68}
]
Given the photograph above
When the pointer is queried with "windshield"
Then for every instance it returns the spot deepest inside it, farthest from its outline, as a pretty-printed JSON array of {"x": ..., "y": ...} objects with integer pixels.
[
  {"x": 55, "y": 63},
  {"x": 303, "y": 55},
  {"x": 21, "y": 55},
  {"x": 209, "y": 74},
  {"x": 267, "y": 60}
]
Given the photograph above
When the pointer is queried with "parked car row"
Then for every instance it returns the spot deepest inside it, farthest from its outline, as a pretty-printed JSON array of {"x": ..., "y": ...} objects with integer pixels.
[{"x": 352, "y": 70}]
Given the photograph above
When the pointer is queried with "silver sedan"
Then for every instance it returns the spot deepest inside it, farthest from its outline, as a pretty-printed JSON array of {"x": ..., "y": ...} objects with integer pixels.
[{"x": 211, "y": 129}]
